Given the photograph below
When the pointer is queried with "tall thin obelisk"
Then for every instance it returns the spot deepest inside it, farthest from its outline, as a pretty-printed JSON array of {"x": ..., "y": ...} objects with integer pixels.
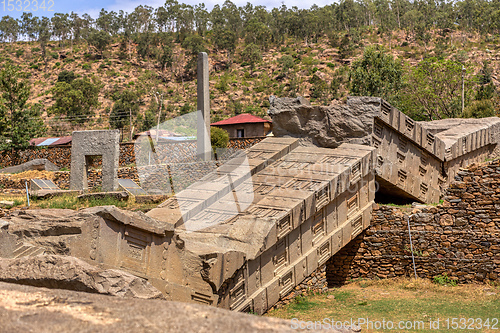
[{"x": 204, "y": 148}]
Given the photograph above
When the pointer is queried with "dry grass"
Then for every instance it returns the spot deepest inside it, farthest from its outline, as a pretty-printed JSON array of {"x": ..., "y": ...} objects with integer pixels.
[{"x": 32, "y": 174}]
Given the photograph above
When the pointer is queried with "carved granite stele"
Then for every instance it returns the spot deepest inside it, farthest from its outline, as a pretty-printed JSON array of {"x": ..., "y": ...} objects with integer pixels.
[
  {"x": 415, "y": 160},
  {"x": 240, "y": 238}
]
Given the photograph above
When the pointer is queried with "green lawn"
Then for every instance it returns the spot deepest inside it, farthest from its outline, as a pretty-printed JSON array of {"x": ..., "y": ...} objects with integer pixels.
[{"x": 401, "y": 300}]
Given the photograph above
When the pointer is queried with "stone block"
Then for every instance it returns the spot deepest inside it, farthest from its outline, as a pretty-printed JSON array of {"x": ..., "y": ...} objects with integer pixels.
[
  {"x": 294, "y": 245},
  {"x": 331, "y": 216},
  {"x": 86, "y": 144}
]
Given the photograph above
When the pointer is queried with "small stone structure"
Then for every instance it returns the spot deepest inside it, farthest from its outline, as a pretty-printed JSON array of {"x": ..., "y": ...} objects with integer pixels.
[
  {"x": 415, "y": 160},
  {"x": 86, "y": 144}
]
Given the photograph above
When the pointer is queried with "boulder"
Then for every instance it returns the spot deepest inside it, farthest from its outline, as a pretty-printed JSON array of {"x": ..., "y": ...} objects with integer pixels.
[
  {"x": 324, "y": 126},
  {"x": 38, "y": 164},
  {"x": 65, "y": 272},
  {"x": 30, "y": 309}
]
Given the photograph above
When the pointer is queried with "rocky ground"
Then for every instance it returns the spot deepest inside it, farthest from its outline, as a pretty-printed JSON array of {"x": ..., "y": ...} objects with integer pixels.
[{"x": 30, "y": 309}]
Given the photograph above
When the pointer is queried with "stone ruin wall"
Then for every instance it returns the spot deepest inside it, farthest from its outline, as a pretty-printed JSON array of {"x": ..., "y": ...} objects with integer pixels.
[
  {"x": 460, "y": 238},
  {"x": 149, "y": 177},
  {"x": 61, "y": 156}
]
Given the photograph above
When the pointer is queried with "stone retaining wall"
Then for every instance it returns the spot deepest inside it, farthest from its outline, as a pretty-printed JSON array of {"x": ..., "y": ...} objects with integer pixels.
[
  {"x": 61, "y": 156},
  {"x": 460, "y": 238}
]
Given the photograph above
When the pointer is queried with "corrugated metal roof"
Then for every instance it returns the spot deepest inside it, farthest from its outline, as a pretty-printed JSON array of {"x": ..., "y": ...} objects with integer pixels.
[
  {"x": 50, "y": 141},
  {"x": 243, "y": 118}
]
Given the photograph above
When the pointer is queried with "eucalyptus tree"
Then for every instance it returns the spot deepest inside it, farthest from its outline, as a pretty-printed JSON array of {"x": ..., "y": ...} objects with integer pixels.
[{"x": 9, "y": 29}]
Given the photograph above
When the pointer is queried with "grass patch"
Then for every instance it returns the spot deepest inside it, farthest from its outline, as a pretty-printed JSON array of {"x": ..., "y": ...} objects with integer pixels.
[
  {"x": 398, "y": 300},
  {"x": 70, "y": 201},
  {"x": 398, "y": 206}
]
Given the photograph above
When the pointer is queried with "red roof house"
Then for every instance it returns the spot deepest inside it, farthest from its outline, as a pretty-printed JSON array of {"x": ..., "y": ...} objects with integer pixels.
[{"x": 245, "y": 125}]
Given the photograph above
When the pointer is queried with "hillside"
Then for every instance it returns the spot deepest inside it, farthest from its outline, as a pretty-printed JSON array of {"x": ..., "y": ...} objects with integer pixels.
[{"x": 235, "y": 87}]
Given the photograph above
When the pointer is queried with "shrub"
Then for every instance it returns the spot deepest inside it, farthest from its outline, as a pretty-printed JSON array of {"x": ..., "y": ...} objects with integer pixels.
[
  {"x": 219, "y": 138},
  {"x": 222, "y": 85},
  {"x": 54, "y": 55},
  {"x": 479, "y": 109},
  {"x": 444, "y": 280},
  {"x": 186, "y": 108},
  {"x": 66, "y": 76},
  {"x": 86, "y": 67},
  {"x": 19, "y": 53}
]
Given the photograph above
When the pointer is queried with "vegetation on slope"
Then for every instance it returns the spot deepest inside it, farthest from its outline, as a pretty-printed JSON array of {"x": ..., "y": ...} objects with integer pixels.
[{"x": 126, "y": 70}]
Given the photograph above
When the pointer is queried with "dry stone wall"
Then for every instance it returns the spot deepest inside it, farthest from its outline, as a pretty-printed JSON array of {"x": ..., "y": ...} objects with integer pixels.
[
  {"x": 61, "y": 156},
  {"x": 460, "y": 238}
]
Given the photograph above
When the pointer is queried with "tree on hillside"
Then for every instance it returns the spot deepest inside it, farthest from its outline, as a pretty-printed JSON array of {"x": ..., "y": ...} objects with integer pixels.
[
  {"x": 125, "y": 108},
  {"x": 201, "y": 17},
  {"x": 484, "y": 101},
  {"x": 76, "y": 100},
  {"x": 433, "y": 89},
  {"x": 61, "y": 26},
  {"x": 258, "y": 33},
  {"x": 76, "y": 26},
  {"x": 225, "y": 39},
  {"x": 66, "y": 76},
  {"x": 193, "y": 44},
  {"x": 19, "y": 121},
  {"x": 376, "y": 74},
  {"x": 251, "y": 55},
  {"x": 99, "y": 40},
  {"x": 286, "y": 62},
  {"x": 9, "y": 29},
  {"x": 44, "y": 34},
  {"x": 165, "y": 57},
  {"x": 29, "y": 26},
  {"x": 151, "y": 85}
]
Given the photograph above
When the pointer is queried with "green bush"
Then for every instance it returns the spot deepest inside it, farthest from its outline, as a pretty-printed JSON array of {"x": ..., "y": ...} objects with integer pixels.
[
  {"x": 19, "y": 53},
  {"x": 86, "y": 67},
  {"x": 66, "y": 76},
  {"x": 222, "y": 85},
  {"x": 35, "y": 49},
  {"x": 479, "y": 109},
  {"x": 219, "y": 138},
  {"x": 444, "y": 280},
  {"x": 54, "y": 55},
  {"x": 186, "y": 108}
]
